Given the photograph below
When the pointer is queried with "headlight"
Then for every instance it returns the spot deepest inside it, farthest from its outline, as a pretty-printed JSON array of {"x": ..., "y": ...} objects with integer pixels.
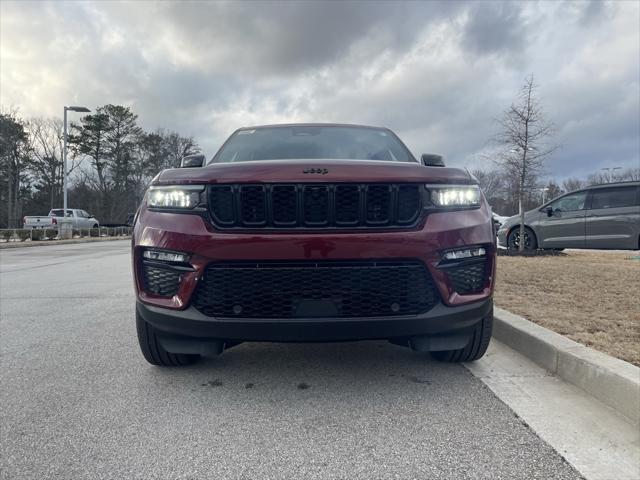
[
  {"x": 453, "y": 196},
  {"x": 175, "y": 196}
]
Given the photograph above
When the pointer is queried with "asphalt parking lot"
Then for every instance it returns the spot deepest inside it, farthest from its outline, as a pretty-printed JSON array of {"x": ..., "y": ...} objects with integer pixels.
[{"x": 79, "y": 401}]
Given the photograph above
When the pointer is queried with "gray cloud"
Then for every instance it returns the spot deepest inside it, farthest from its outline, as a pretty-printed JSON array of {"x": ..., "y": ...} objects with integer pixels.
[
  {"x": 438, "y": 73},
  {"x": 496, "y": 27},
  {"x": 278, "y": 38}
]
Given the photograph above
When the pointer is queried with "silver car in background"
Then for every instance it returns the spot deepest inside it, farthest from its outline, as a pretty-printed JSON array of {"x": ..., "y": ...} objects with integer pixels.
[{"x": 601, "y": 216}]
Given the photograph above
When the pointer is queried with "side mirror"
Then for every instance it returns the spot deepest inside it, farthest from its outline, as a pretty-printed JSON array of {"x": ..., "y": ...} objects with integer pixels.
[
  {"x": 191, "y": 161},
  {"x": 432, "y": 160},
  {"x": 549, "y": 211}
]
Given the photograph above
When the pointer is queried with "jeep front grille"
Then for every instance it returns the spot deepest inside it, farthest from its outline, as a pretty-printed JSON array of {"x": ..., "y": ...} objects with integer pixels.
[
  {"x": 315, "y": 289},
  {"x": 311, "y": 205}
]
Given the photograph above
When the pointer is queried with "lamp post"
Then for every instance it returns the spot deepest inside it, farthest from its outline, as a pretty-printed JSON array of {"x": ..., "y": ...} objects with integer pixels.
[
  {"x": 544, "y": 191},
  {"x": 64, "y": 225}
]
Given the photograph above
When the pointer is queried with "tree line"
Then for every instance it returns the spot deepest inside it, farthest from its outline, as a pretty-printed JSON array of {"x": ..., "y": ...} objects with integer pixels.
[{"x": 110, "y": 160}]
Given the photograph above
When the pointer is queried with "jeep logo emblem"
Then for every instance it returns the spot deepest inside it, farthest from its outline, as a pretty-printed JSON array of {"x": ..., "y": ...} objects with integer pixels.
[{"x": 319, "y": 171}]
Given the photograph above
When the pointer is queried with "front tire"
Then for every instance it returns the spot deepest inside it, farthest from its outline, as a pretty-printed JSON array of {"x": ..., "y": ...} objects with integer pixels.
[
  {"x": 153, "y": 351},
  {"x": 476, "y": 347},
  {"x": 513, "y": 240}
]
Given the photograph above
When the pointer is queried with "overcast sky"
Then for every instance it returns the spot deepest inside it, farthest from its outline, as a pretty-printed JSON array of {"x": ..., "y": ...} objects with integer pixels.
[{"x": 436, "y": 73}]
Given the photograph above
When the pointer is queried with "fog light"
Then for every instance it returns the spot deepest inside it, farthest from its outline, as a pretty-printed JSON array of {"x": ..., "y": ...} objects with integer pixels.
[
  {"x": 464, "y": 253},
  {"x": 164, "y": 256}
]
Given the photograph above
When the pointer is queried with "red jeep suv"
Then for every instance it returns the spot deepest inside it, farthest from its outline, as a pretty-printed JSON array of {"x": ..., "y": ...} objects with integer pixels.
[{"x": 313, "y": 233}]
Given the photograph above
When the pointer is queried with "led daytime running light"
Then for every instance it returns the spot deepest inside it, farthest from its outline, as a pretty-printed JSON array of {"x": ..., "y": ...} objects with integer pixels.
[
  {"x": 163, "y": 256},
  {"x": 464, "y": 253}
]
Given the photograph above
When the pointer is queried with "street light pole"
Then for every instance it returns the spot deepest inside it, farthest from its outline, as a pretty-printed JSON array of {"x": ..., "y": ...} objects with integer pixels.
[
  {"x": 64, "y": 166},
  {"x": 544, "y": 191},
  {"x": 63, "y": 226}
]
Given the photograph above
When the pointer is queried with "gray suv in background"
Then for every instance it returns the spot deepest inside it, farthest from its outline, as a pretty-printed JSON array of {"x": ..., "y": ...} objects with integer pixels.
[{"x": 602, "y": 216}]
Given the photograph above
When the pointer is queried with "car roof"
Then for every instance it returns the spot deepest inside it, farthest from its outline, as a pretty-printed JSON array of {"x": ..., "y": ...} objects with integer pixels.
[
  {"x": 629, "y": 183},
  {"x": 278, "y": 125}
]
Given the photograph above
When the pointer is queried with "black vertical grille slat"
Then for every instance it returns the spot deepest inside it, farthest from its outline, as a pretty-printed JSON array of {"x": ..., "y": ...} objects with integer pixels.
[
  {"x": 221, "y": 200},
  {"x": 304, "y": 289},
  {"x": 284, "y": 201},
  {"x": 408, "y": 203},
  {"x": 253, "y": 205},
  {"x": 347, "y": 204},
  {"x": 315, "y": 205},
  {"x": 378, "y": 204}
]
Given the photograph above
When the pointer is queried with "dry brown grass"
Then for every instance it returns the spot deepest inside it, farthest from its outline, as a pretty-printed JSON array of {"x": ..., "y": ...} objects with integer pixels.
[{"x": 591, "y": 297}]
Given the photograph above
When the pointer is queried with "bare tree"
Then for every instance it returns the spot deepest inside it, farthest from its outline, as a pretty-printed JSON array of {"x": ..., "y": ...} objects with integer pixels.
[
  {"x": 616, "y": 174},
  {"x": 524, "y": 145},
  {"x": 571, "y": 184},
  {"x": 491, "y": 182},
  {"x": 630, "y": 174},
  {"x": 45, "y": 162},
  {"x": 178, "y": 147},
  {"x": 550, "y": 191}
]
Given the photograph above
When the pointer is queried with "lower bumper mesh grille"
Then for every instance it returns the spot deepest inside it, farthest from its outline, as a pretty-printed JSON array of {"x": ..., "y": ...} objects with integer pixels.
[
  {"x": 160, "y": 281},
  {"x": 469, "y": 278},
  {"x": 315, "y": 289}
]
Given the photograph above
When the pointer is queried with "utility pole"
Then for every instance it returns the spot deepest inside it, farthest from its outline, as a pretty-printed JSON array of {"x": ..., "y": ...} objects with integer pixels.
[{"x": 64, "y": 230}]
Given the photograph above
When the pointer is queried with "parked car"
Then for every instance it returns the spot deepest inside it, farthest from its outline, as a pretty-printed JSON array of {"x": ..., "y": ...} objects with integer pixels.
[
  {"x": 314, "y": 232},
  {"x": 78, "y": 219},
  {"x": 602, "y": 216},
  {"x": 498, "y": 220}
]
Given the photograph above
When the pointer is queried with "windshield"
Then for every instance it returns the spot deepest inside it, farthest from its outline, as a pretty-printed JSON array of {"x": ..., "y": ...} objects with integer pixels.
[
  {"x": 313, "y": 142},
  {"x": 58, "y": 213}
]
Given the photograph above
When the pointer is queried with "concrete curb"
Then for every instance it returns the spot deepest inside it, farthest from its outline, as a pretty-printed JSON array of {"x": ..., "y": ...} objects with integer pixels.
[
  {"x": 46, "y": 243},
  {"x": 614, "y": 382}
]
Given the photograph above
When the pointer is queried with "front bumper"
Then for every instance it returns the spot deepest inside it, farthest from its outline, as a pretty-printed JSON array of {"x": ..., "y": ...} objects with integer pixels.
[
  {"x": 196, "y": 236},
  {"x": 448, "y": 323}
]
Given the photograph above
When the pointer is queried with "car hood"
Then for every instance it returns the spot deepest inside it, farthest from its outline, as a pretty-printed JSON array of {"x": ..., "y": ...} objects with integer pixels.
[
  {"x": 312, "y": 171},
  {"x": 515, "y": 219}
]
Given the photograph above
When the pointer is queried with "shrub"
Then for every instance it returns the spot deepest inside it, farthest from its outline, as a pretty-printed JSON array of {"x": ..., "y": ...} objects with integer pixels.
[
  {"x": 23, "y": 234},
  {"x": 51, "y": 233},
  {"x": 37, "y": 234},
  {"x": 7, "y": 234},
  {"x": 76, "y": 233},
  {"x": 94, "y": 232}
]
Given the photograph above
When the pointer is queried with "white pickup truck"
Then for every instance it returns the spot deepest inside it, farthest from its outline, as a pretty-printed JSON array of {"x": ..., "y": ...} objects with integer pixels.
[{"x": 77, "y": 218}]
